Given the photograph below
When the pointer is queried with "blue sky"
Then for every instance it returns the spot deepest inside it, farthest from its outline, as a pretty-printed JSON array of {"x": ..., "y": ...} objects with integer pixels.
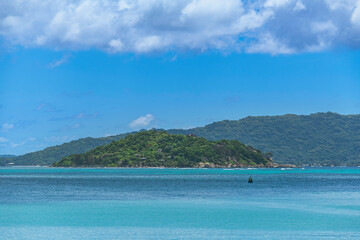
[{"x": 64, "y": 81}]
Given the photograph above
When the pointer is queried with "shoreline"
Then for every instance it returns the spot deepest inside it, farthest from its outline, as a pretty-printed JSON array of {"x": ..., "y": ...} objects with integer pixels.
[
  {"x": 204, "y": 167},
  {"x": 249, "y": 167}
]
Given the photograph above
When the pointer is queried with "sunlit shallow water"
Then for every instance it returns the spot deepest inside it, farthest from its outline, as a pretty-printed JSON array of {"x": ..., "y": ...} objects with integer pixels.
[{"x": 51, "y": 203}]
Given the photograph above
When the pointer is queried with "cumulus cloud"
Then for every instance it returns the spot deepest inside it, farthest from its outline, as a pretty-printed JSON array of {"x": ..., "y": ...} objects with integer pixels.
[
  {"x": 139, "y": 26},
  {"x": 142, "y": 121}
]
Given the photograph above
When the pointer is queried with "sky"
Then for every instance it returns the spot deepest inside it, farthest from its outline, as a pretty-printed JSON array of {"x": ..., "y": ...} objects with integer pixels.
[{"x": 76, "y": 68}]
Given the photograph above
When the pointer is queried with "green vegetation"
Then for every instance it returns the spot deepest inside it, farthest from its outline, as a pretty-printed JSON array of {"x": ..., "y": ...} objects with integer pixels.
[
  {"x": 322, "y": 138},
  {"x": 6, "y": 158},
  {"x": 161, "y": 149},
  {"x": 53, "y": 154}
]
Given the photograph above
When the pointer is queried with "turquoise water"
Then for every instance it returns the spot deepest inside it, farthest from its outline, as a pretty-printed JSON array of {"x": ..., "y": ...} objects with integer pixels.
[{"x": 49, "y": 203}]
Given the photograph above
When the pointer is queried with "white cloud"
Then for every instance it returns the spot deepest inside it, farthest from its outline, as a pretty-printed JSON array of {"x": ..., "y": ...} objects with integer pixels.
[
  {"x": 149, "y": 43},
  {"x": 3, "y": 140},
  {"x": 143, "y": 26},
  {"x": 268, "y": 44},
  {"x": 59, "y": 62},
  {"x": 340, "y": 4},
  {"x": 355, "y": 18},
  {"x": 116, "y": 45},
  {"x": 7, "y": 126},
  {"x": 211, "y": 10},
  {"x": 276, "y": 3},
  {"x": 252, "y": 20},
  {"x": 324, "y": 27},
  {"x": 14, "y": 145},
  {"x": 142, "y": 121},
  {"x": 299, "y": 6}
]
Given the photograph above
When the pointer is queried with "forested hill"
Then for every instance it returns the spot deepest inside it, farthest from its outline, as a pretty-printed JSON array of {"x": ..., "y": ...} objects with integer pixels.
[
  {"x": 6, "y": 158},
  {"x": 323, "y": 138},
  {"x": 53, "y": 154},
  {"x": 161, "y": 149}
]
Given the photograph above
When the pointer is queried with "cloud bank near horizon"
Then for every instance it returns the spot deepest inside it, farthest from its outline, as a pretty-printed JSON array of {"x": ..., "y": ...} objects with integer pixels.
[{"x": 146, "y": 26}]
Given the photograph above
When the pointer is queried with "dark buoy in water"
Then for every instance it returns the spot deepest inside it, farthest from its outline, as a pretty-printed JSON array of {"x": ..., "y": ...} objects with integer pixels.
[{"x": 250, "y": 180}]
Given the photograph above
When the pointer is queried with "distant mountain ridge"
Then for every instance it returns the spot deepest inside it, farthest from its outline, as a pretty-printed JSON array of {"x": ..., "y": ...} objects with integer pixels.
[
  {"x": 53, "y": 154},
  {"x": 320, "y": 138}
]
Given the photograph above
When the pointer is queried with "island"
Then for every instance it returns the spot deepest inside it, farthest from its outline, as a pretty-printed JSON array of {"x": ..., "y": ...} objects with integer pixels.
[{"x": 162, "y": 149}]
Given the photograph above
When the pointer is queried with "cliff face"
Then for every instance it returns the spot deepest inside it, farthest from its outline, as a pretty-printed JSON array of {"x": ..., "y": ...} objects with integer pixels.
[{"x": 161, "y": 149}]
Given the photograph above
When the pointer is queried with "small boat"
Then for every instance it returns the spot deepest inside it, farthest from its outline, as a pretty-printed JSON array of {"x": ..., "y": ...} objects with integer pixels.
[{"x": 250, "y": 180}]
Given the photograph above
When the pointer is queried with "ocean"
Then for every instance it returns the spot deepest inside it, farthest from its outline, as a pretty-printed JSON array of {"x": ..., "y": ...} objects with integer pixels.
[{"x": 115, "y": 203}]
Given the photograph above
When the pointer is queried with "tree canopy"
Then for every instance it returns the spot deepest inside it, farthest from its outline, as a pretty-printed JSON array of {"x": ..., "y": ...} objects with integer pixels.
[{"x": 161, "y": 149}]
